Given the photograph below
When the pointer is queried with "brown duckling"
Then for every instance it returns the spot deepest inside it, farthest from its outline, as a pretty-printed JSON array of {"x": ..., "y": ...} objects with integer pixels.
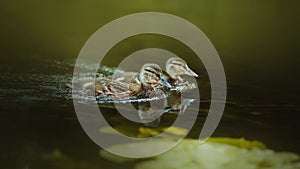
[
  {"x": 175, "y": 67},
  {"x": 147, "y": 83}
]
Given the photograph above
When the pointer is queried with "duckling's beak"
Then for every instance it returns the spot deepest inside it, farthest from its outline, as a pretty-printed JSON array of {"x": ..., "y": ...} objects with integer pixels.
[
  {"x": 190, "y": 72},
  {"x": 164, "y": 82}
]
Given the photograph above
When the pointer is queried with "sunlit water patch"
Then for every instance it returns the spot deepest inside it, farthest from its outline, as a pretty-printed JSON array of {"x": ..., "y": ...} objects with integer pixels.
[{"x": 34, "y": 87}]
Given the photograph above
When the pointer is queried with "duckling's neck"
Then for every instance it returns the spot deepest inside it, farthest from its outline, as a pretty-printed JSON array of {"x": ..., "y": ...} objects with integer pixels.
[
  {"x": 171, "y": 75},
  {"x": 135, "y": 85},
  {"x": 172, "y": 80}
]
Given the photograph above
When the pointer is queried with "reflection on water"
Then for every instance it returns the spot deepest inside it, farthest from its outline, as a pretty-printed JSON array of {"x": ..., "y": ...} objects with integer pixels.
[{"x": 151, "y": 115}]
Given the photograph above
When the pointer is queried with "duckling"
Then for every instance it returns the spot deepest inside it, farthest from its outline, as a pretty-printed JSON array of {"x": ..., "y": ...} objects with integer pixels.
[
  {"x": 175, "y": 67},
  {"x": 143, "y": 84},
  {"x": 152, "y": 76},
  {"x": 147, "y": 83}
]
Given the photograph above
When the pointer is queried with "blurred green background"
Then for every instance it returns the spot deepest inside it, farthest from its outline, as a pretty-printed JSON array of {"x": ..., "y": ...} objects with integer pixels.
[{"x": 257, "y": 40}]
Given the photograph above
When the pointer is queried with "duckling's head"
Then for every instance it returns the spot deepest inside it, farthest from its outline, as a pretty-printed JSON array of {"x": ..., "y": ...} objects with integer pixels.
[
  {"x": 175, "y": 67},
  {"x": 151, "y": 75}
]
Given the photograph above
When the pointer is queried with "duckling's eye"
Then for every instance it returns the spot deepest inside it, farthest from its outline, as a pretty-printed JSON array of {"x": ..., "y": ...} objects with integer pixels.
[{"x": 178, "y": 63}]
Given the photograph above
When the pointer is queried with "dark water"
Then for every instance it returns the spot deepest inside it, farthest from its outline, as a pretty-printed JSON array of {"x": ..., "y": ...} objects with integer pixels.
[
  {"x": 40, "y": 128},
  {"x": 257, "y": 42}
]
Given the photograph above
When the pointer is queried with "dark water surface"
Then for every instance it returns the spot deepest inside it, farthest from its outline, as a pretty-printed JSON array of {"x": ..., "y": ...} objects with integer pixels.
[
  {"x": 257, "y": 42},
  {"x": 40, "y": 128}
]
